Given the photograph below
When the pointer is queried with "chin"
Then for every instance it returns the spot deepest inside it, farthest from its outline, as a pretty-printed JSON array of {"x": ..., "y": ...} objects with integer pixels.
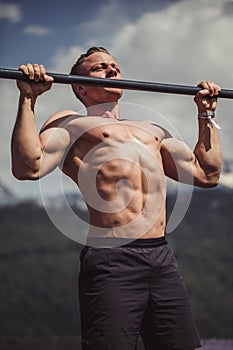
[{"x": 116, "y": 92}]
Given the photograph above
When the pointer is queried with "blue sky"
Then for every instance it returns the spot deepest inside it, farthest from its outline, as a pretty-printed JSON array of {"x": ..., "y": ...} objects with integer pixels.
[
  {"x": 180, "y": 42},
  {"x": 33, "y": 31},
  {"x": 58, "y": 19}
]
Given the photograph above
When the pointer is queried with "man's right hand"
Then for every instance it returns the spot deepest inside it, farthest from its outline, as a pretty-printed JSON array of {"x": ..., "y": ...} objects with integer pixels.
[{"x": 38, "y": 82}]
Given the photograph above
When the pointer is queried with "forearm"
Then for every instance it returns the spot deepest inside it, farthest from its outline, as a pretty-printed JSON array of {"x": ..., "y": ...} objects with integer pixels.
[
  {"x": 208, "y": 153},
  {"x": 25, "y": 145}
]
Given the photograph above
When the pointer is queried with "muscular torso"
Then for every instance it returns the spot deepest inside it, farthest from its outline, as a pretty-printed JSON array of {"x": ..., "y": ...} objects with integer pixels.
[{"x": 118, "y": 168}]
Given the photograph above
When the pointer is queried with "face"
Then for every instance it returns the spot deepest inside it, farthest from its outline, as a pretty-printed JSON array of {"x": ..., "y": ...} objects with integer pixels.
[{"x": 100, "y": 65}]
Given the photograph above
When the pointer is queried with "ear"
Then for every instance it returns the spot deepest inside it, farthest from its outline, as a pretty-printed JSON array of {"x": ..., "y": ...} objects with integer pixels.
[{"x": 80, "y": 89}]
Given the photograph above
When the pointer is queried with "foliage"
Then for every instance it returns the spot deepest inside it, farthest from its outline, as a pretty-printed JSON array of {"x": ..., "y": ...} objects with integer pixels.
[
  {"x": 39, "y": 269},
  {"x": 203, "y": 246}
]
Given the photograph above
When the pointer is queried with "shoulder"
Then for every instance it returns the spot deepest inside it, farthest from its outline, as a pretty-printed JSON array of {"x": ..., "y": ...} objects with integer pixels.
[{"x": 59, "y": 119}]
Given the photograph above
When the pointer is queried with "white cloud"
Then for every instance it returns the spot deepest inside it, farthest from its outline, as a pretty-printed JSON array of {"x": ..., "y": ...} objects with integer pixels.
[
  {"x": 10, "y": 12},
  {"x": 109, "y": 19},
  {"x": 64, "y": 58},
  {"x": 37, "y": 30},
  {"x": 182, "y": 44}
]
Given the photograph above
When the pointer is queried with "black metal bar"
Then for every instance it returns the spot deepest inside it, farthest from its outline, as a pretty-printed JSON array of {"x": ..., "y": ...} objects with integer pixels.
[{"x": 121, "y": 83}]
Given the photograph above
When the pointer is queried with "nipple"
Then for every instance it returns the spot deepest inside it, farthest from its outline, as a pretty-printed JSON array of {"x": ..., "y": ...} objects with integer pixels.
[{"x": 106, "y": 133}]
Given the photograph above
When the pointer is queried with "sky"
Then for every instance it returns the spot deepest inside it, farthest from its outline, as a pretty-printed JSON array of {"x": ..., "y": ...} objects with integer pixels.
[{"x": 179, "y": 42}]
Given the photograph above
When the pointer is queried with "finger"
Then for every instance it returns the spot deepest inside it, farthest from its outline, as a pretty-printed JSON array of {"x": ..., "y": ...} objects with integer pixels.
[
  {"x": 42, "y": 71},
  {"x": 217, "y": 89},
  {"x": 30, "y": 71},
  {"x": 203, "y": 85},
  {"x": 44, "y": 76},
  {"x": 202, "y": 93},
  {"x": 24, "y": 69},
  {"x": 48, "y": 78},
  {"x": 207, "y": 88},
  {"x": 37, "y": 72},
  {"x": 213, "y": 88}
]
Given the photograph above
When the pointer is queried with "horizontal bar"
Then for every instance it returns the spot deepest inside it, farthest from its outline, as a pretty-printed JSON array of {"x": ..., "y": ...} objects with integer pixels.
[{"x": 115, "y": 83}]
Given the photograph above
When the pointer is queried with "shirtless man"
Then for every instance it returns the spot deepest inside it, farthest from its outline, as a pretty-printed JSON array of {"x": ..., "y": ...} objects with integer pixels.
[{"x": 129, "y": 280}]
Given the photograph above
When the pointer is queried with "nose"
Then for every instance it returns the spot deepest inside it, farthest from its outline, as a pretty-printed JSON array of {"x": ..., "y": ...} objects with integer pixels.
[{"x": 111, "y": 72}]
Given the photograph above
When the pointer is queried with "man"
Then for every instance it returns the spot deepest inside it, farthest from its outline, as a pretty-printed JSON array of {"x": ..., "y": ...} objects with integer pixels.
[{"x": 129, "y": 280}]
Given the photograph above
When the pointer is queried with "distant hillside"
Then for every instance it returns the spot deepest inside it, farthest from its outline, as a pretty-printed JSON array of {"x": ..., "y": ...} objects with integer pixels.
[
  {"x": 39, "y": 268},
  {"x": 6, "y": 196},
  {"x": 203, "y": 245}
]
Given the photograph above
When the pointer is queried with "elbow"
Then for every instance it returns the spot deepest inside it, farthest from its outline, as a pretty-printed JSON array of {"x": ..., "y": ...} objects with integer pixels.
[
  {"x": 17, "y": 175},
  {"x": 25, "y": 175},
  {"x": 209, "y": 181},
  {"x": 211, "y": 184},
  {"x": 23, "y": 170},
  {"x": 214, "y": 177},
  {"x": 214, "y": 181}
]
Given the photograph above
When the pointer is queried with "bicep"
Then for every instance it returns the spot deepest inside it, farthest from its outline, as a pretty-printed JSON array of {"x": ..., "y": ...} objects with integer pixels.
[
  {"x": 179, "y": 161},
  {"x": 54, "y": 144}
]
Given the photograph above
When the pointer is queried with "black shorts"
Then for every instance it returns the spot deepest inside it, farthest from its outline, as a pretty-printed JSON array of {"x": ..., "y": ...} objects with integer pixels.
[{"x": 133, "y": 290}]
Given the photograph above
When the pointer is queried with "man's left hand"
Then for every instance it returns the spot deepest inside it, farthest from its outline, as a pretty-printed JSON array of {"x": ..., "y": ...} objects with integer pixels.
[{"x": 206, "y": 99}]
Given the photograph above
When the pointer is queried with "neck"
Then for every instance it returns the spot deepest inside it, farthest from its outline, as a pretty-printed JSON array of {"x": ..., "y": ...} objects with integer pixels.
[{"x": 106, "y": 110}]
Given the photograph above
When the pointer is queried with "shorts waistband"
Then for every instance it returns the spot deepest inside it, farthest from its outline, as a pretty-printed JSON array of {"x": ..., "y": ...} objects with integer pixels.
[{"x": 108, "y": 242}]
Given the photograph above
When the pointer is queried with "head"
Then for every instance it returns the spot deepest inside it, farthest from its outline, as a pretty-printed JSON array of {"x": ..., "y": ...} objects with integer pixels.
[{"x": 96, "y": 62}]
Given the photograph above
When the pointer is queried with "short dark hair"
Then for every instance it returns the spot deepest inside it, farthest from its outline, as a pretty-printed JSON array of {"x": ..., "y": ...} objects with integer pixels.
[{"x": 76, "y": 69}]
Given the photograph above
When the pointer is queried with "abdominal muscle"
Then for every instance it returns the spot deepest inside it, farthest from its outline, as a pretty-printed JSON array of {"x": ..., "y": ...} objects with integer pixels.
[{"x": 123, "y": 185}]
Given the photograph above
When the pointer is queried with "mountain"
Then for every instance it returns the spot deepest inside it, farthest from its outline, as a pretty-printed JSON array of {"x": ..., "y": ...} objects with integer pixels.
[
  {"x": 39, "y": 270},
  {"x": 227, "y": 174},
  {"x": 6, "y": 196}
]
